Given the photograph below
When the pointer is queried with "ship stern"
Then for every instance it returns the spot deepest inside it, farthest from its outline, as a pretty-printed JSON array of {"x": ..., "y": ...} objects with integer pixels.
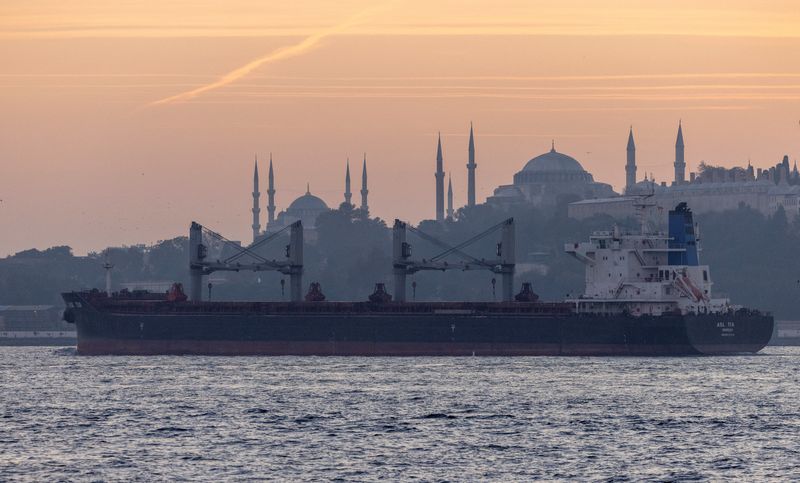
[{"x": 740, "y": 332}]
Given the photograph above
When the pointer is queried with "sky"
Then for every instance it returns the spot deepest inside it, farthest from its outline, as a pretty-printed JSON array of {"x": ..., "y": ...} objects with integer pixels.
[{"x": 124, "y": 121}]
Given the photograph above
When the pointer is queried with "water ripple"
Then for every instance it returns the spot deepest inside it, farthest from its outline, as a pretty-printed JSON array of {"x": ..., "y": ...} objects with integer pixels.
[{"x": 64, "y": 417}]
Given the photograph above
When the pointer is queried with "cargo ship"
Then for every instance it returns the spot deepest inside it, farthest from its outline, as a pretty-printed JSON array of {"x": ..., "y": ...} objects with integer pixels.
[{"x": 646, "y": 295}]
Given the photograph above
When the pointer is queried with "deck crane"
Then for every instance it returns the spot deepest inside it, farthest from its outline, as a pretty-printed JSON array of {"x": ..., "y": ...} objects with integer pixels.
[
  {"x": 503, "y": 264},
  {"x": 199, "y": 265}
]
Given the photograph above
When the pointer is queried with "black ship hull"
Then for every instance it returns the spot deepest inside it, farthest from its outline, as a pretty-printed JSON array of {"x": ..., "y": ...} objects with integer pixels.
[{"x": 343, "y": 329}]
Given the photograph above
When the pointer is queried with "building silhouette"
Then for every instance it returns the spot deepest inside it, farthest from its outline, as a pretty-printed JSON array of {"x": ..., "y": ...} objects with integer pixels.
[
  {"x": 471, "y": 166},
  {"x": 439, "y": 175},
  {"x": 710, "y": 188},
  {"x": 305, "y": 208},
  {"x": 630, "y": 165},
  {"x": 548, "y": 180},
  {"x": 256, "y": 203}
]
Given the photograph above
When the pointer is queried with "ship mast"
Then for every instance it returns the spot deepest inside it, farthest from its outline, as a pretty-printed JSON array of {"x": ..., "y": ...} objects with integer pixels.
[
  {"x": 107, "y": 265},
  {"x": 642, "y": 205}
]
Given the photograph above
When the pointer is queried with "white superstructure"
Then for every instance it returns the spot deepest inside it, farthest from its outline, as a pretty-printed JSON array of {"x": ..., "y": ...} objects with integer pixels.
[{"x": 646, "y": 273}]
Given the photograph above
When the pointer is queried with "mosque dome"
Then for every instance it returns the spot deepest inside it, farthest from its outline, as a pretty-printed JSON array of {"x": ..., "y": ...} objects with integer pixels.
[
  {"x": 553, "y": 161},
  {"x": 552, "y": 167},
  {"x": 305, "y": 208},
  {"x": 308, "y": 202}
]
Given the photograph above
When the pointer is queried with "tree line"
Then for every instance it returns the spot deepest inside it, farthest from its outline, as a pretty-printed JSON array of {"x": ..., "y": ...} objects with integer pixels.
[{"x": 753, "y": 259}]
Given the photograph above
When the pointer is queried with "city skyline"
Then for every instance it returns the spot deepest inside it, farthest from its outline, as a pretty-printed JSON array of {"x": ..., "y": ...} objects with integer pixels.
[{"x": 91, "y": 158}]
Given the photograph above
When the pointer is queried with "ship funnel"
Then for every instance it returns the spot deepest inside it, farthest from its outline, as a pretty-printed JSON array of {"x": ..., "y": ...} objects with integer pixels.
[{"x": 682, "y": 240}]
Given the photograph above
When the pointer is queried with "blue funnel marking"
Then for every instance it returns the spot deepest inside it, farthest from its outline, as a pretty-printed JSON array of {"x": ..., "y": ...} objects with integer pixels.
[{"x": 681, "y": 232}]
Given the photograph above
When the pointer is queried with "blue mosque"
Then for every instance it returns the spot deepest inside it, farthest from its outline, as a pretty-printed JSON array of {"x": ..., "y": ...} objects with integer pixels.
[{"x": 306, "y": 208}]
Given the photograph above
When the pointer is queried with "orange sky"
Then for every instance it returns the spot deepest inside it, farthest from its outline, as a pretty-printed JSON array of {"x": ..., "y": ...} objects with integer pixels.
[{"x": 124, "y": 121}]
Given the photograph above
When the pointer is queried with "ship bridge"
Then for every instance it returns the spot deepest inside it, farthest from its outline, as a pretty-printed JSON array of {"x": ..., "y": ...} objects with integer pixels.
[{"x": 646, "y": 273}]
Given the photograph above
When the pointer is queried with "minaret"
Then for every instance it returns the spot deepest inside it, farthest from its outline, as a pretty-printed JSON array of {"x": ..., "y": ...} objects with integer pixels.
[
  {"x": 630, "y": 166},
  {"x": 471, "y": 170},
  {"x": 364, "y": 190},
  {"x": 449, "y": 197},
  {"x": 347, "y": 194},
  {"x": 439, "y": 182},
  {"x": 271, "y": 195},
  {"x": 256, "y": 201},
  {"x": 680, "y": 164}
]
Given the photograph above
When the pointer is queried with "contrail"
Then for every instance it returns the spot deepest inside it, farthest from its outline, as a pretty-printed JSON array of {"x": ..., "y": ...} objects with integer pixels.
[{"x": 307, "y": 44}]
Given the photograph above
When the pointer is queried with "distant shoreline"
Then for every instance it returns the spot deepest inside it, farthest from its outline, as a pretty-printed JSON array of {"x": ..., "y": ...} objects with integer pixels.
[{"x": 38, "y": 338}]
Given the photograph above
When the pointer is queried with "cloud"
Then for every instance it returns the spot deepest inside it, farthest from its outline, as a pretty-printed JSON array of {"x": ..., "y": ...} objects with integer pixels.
[{"x": 306, "y": 45}]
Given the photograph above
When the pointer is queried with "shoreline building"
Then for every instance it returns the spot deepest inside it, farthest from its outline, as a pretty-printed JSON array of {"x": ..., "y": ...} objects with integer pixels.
[
  {"x": 444, "y": 205},
  {"x": 439, "y": 175},
  {"x": 364, "y": 191},
  {"x": 449, "y": 197},
  {"x": 546, "y": 180},
  {"x": 550, "y": 179},
  {"x": 306, "y": 208},
  {"x": 710, "y": 189},
  {"x": 471, "y": 166},
  {"x": 256, "y": 202}
]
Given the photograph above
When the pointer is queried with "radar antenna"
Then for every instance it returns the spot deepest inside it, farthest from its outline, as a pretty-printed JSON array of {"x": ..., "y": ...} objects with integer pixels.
[
  {"x": 642, "y": 204},
  {"x": 107, "y": 265}
]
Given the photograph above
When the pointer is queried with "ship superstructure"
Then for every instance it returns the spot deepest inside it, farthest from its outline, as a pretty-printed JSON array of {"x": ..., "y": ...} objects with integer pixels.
[{"x": 647, "y": 273}]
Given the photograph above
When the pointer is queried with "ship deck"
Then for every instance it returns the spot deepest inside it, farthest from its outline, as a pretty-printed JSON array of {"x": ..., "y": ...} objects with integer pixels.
[{"x": 444, "y": 308}]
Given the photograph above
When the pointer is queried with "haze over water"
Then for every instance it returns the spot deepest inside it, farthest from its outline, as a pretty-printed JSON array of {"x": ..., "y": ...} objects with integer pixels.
[{"x": 366, "y": 419}]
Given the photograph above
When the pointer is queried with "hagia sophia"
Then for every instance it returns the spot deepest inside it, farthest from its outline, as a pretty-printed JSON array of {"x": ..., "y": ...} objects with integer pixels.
[
  {"x": 553, "y": 178},
  {"x": 548, "y": 179}
]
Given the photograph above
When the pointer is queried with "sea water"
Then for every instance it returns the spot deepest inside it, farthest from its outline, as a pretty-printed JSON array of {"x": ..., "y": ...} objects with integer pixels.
[{"x": 67, "y": 417}]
